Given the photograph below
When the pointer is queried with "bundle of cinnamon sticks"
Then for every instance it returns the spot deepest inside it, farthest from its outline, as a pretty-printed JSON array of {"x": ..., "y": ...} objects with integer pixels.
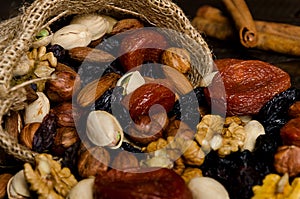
[{"x": 271, "y": 36}]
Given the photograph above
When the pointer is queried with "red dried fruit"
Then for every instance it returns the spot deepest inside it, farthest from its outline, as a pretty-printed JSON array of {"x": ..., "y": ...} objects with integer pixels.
[
  {"x": 148, "y": 95},
  {"x": 141, "y": 183},
  {"x": 140, "y": 46},
  {"x": 245, "y": 86},
  {"x": 290, "y": 132}
]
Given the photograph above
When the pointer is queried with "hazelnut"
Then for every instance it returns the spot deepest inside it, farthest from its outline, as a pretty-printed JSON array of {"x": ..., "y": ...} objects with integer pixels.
[
  {"x": 65, "y": 113},
  {"x": 27, "y": 134},
  {"x": 294, "y": 110},
  {"x": 64, "y": 138},
  {"x": 94, "y": 161},
  {"x": 290, "y": 132},
  {"x": 125, "y": 25},
  {"x": 287, "y": 160},
  {"x": 145, "y": 130},
  {"x": 63, "y": 86},
  {"x": 177, "y": 58},
  {"x": 125, "y": 160}
]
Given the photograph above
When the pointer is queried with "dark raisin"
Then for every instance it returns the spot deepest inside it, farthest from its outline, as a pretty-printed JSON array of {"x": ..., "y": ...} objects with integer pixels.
[
  {"x": 104, "y": 102},
  {"x": 186, "y": 109},
  {"x": 44, "y": 137},
  {"x": 110, "y": 45},
  {"x": 128, "y": 147},
  {"x": 274, "y": 114},
  {"x": 152, "y": 70},
  {"x": 58, "y": 52},
  {"x": 69, "y": 159}
]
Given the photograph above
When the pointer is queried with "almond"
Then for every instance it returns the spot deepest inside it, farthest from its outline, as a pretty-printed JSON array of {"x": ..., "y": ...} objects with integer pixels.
[
  {"x": 4, "y": 178},
  {"x": 92, "y": 91},
  {"x": 81, "y": 54},
  {"x": 126, "y": 24}
]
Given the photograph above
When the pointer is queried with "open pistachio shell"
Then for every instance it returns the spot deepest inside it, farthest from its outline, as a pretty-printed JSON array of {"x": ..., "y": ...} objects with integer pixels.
[
  {"x": 95, "y": 23},
  {"x": 131, "y": 81},
  {"x": 43, "y": 38},
  {"x": 103, "y": 129},
  {"x": 37, "y": 110},
  {"x": 71, "y": 36},
  {"x": 17, "y": 186}
]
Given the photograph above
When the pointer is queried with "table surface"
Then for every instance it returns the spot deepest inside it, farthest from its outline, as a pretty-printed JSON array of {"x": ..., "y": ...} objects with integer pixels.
[{"x": 268, "y": 10}]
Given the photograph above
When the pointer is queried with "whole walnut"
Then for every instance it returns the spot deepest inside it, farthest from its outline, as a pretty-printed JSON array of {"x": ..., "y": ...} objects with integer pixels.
[
  {"x": 94, "y": 161},
  {"x": 287, "y": 160}
]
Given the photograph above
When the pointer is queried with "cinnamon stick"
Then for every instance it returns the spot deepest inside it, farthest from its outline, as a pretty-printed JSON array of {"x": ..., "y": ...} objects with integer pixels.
[
  {"x": 243, "y": 20},
  {"x": 276, "y": 37}
]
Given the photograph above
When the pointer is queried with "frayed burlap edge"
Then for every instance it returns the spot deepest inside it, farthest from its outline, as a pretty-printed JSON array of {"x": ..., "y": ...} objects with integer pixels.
[{"x": 17, "y": 34}]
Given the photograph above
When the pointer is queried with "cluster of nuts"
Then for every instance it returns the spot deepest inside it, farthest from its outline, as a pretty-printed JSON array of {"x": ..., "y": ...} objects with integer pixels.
[
  {"x": 287, "y": 157},
  {"x": 59, "y": 100},
  {"x": 227, "y": 135}
]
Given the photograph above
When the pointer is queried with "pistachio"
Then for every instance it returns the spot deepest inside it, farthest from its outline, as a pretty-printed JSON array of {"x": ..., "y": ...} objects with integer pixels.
[
  {"x": 111, "y": 22},
  {"x": 37, "y": 110},
  {"x": 17, "y": 187},
  {"x": 103, "y": 129},
  {"x": 71, "y": 36},
  {"x": 131, "y": 81},
  {"x": 206, "y": 187},
  {"x": 96, "y": 24},
  {"x": 43, "y": 38},
  {"x": 83, "y": 189}
]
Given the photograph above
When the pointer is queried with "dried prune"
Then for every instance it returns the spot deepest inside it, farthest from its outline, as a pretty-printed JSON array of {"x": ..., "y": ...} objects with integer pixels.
[
  {"x": 238, "y": 172},
  {"x": 274, "y": 114},
  {"x": 44, "y": 137}
]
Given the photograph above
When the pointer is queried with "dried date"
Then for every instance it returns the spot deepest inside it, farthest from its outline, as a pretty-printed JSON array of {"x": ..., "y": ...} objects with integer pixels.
[{"x": 244, "y": 87}]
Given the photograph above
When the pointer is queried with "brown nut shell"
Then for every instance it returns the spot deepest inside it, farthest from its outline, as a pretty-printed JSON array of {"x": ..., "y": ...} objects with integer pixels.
[
  {"x": 290, "y": 132},
  {"x": 245, "y": 86},
  {"x": 125, "y": 160},
  {"x": 294, "y": 110},
  {"x": 148, "y": 95},
  {"x": 140, "y": 184},
  {"x": 4, "y": 178},
  {"x": 287, "y": 160},
  {"x": 27, "y": 134},
  {"x": 65, "y": 114}
]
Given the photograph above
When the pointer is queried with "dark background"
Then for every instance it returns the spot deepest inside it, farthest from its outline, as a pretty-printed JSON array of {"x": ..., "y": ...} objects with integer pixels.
[{"x": 287, "y": 11}]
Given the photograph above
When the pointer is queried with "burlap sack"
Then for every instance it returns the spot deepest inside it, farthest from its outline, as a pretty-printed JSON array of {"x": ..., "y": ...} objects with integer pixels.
[{"x": 17, "y": 33}]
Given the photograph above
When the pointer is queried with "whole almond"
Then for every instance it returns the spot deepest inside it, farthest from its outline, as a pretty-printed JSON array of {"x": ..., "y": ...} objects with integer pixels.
[
  {"x": 4, "y": 178},
  {"x": 81, "y": 54},
  {"x": 92, "y": 91}
]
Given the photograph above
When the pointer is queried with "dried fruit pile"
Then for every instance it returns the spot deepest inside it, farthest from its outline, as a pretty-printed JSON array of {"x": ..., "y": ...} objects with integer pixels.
[{"x": 115, "y": 109}]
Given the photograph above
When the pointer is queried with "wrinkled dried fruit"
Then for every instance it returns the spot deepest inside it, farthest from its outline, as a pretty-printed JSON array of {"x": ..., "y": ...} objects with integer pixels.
[
  {"x": 141, "y": 46},
  {"x": 65, "y": 113},
  {"x": 148, "y": 95},
  {"x": 248, "y": 86},
  {"x": 294, "y": 110},
  {"x": 141, "y": 183}
]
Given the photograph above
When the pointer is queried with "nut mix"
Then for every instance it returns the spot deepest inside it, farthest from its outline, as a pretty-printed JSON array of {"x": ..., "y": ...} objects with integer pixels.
[{"x": 135, "y": 117}]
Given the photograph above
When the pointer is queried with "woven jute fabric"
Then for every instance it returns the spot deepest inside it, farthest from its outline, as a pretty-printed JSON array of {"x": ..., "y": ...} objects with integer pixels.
[{"x": 17, "y": 34}]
